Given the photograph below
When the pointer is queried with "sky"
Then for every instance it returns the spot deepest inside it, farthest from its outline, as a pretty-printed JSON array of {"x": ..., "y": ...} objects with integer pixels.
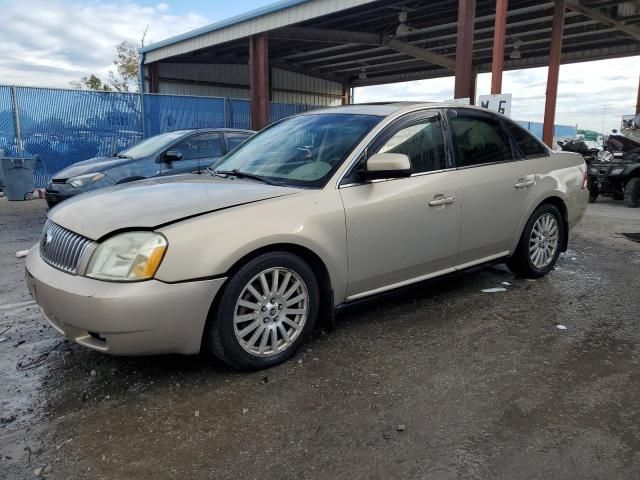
[{"x": 50, "y": 43}]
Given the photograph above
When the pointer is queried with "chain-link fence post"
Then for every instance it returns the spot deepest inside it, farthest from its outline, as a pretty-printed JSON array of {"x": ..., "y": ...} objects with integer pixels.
[{"x": 16, "y": 121}]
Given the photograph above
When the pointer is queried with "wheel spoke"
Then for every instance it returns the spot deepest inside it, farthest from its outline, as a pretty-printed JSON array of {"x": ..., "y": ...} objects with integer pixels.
[
  {"x": 254, "y": 292},
  {"x": 285, "y": 283},
  {"x": 245, "y": 318},
  {"x": 274, "y": 281},
  {"x": 250, "y": 305},
  {"x": 249, "y": 328},
  {"x": 265, "y": 284},
  {"x": 263, "y": 340},
  {"x": 274, "y": 340},
  {"x": 254, "y": 338},
  {"x": 295, "y": 311},
  {"x": 291, "y": 323},
  {"x": 283, "y": 332},
  {"x": 291, "y": 290},
  {"x": 295, "y": 300}
]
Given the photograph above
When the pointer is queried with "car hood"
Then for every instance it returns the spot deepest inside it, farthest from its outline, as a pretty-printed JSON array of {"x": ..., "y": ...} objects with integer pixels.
[
  {"x": 158, "y": 201},
  {"x": 93, "y": 165}
]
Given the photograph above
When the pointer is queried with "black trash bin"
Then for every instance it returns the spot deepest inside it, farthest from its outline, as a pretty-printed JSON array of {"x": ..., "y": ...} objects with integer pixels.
[{"x": 17, "y": 176}]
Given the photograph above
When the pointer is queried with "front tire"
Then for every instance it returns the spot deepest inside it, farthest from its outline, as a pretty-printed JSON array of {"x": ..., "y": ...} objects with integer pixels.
[
  {"x": 539, "y": 246},
  {"x": 632, "y": 193},
  {"x": 266, "y": 311}
]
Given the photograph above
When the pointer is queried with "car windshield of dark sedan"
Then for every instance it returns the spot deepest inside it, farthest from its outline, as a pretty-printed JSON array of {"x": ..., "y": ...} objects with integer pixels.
[
  {"x": 300, "y": 151},
  {"x": 152, "y": 145}
]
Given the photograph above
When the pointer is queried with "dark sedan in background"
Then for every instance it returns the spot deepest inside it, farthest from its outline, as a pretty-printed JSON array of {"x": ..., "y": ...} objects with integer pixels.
[{"x": 181, "y": 151}]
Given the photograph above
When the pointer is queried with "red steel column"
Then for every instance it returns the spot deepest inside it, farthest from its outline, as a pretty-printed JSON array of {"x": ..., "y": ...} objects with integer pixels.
[
  {"x": 555, "y": 56},
  {"x": 259, "y": 80},
  {"x": 638, "y": 102},
  {"x": 499, "y": 33},
  {"x": 154, "y": 77},
  {"x": 464, "y": 48},
  {"x": 346, "y": 94}
]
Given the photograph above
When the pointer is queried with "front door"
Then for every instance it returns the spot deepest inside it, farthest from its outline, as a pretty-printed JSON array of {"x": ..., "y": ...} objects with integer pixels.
[
  {"x": 198, "y": 152},
  {"x": 405, "y": 229}
]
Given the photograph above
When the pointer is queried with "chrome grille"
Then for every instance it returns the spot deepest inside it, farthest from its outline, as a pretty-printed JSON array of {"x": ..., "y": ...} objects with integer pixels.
[{"x": 61, "y": 248}]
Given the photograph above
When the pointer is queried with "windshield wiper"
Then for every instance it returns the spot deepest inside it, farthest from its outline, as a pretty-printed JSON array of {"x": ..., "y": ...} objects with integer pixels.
[
  {"x": 237, "y": 173},
  {"x": 120, "y": 155}
]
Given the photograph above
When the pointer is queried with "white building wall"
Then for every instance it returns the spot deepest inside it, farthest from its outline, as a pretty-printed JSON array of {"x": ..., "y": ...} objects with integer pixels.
[{"x": 232, "y": 81}]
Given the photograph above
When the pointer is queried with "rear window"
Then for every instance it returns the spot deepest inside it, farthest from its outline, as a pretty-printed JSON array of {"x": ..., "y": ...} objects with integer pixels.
[{"x": 529, "y": 146}]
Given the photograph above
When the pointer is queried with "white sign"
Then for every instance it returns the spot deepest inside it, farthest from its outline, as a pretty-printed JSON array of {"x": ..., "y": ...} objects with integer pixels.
[{"x": 498, "y": 103}]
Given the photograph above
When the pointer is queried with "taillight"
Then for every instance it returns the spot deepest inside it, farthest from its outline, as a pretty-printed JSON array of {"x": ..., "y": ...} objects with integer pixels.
[{"x": 585, "y": 179}]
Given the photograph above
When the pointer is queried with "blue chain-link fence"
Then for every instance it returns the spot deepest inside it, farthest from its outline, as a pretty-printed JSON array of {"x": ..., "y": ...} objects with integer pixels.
[
  {"x": 558, "y": 130},
  {"x": 63, "y": 127}
]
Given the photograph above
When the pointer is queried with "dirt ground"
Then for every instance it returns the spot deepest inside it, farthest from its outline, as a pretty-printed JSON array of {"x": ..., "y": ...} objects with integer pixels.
[{"x": 440, "y": 381}]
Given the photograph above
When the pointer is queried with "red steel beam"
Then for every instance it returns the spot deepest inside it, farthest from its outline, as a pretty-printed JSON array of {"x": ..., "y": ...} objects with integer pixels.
[
  {"x": 638, "y": 102},
  {"x": 259, "y": 80},
  {"x": 464, "y": 49},
  {"x": 555, "y": 56},
  {"x": 154, "y": 77},
  {"x": 499, "y": 34}
]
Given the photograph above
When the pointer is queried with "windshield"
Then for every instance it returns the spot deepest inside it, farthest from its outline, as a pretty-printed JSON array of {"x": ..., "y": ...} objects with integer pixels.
[
  {"x": 152, "y": 145},
  {"x": 300, "y": 151}
]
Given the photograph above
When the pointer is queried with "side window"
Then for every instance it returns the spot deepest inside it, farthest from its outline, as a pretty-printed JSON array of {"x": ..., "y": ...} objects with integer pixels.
[
  {"x": 422, "y": 142},
  {"x": 235, "y": 139},
  {"x": 530, "y": 146},
  {"x": 479, "y": 140},
  {"x": 205, "y": 145}
]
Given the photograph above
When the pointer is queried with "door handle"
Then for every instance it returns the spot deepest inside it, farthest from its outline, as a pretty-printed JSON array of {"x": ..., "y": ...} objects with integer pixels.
[
  {"x": 442, "y": 201},
  {"x": 522, "y": 183}
]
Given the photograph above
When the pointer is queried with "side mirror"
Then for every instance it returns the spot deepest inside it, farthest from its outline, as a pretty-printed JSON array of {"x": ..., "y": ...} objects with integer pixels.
[
  {"x": 387, "y": 165},
  {"x": 172, "y": 156}
]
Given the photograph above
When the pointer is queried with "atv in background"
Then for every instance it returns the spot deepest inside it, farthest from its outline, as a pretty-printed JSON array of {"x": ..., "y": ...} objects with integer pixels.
[
  {"x": 588, "y": 152},
  {"x": 616, "y": 171}
]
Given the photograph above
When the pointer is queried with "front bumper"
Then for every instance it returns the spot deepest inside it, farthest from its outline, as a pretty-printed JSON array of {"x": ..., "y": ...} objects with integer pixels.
[
  {"x": 140, "y": 318},
  {"x": 54, "y": 197}
]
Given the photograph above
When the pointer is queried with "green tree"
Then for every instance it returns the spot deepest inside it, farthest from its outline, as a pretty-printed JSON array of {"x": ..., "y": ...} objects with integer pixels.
[{"x": 124, "y": 79}]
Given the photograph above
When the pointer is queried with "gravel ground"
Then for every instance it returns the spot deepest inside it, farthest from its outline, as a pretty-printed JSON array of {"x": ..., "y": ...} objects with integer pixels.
[{"x": 439, "y": 381}]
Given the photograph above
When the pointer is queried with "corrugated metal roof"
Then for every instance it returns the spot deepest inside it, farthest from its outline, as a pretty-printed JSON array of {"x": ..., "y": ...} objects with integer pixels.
[
  {"x": 354, "y": 42},
  {"x": 272, "y": 16},
  {"x": 258, "y": 12}
]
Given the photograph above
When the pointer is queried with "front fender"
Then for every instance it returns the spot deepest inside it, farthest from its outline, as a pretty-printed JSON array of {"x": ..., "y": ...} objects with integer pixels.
[{"x": 209, "y": 245}]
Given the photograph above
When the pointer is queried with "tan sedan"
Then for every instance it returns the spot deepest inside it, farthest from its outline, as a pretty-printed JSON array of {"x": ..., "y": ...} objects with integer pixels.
[{"x": 314, "y": 212}]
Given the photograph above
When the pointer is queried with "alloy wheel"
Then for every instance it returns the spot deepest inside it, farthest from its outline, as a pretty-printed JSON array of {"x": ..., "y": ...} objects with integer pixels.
[
  {"x": 271, "y": 311},
  {"x": 544, "y": 241}
]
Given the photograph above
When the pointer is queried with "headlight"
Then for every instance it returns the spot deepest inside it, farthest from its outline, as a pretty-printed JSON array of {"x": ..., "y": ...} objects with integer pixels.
[
  {"x": 82, "y": 180},
  {"x": 617, "y": 171},
  {"x": 128, "y": 257}
]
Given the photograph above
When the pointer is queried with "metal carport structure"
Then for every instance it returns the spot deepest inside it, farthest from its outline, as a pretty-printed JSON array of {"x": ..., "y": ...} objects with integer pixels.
[{"x": 317, "y": 50}]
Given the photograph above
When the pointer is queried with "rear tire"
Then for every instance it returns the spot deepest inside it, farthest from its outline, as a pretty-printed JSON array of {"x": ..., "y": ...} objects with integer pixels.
[
  {"x": 593, "y": 196},
  {"x": 539, "y": 246},
  {"x": 632, "y": 193},
  {"x": 256, "y": 325}
]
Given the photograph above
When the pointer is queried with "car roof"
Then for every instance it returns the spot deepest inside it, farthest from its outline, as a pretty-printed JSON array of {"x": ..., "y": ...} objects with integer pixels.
[
  {"x": 389, "y": 108},
  {"x": 187, "y": 131}
]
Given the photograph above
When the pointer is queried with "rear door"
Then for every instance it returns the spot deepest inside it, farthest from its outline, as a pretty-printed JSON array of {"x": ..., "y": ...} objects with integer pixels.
[
  {"x": 233, "y": 139},
  {"x": 401, "y": 230},
  {"x": 498, "y": 185}
]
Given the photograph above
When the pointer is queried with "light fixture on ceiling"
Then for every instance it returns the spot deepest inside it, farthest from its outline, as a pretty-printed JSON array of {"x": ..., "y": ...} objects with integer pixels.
[
  {"x": 402, "y": 30},
  {"x": 363, "y": 73},
  {"x": 515, "y": 53}
]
